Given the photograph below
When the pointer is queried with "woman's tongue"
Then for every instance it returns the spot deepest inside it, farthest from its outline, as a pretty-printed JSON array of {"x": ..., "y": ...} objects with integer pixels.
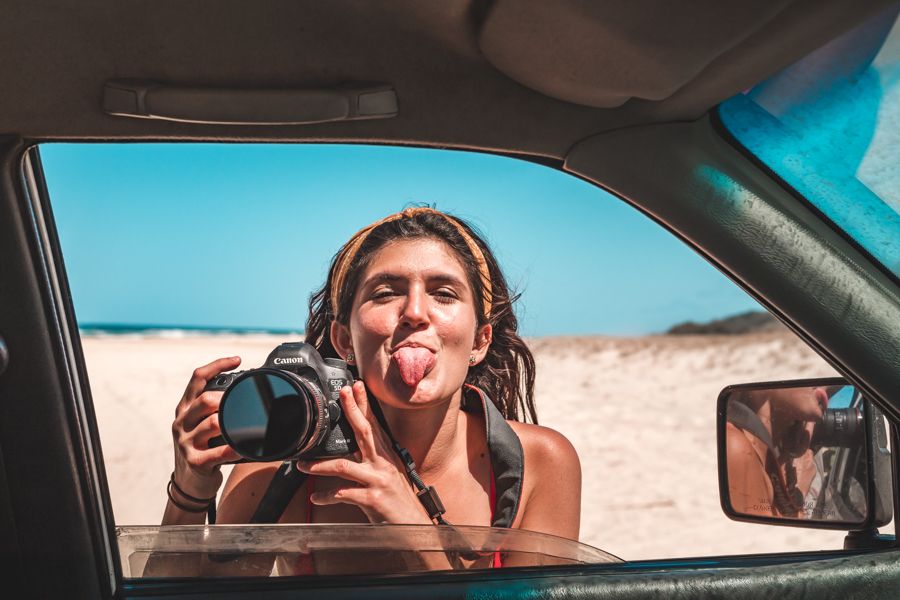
[{"x": 413, "y": 363}]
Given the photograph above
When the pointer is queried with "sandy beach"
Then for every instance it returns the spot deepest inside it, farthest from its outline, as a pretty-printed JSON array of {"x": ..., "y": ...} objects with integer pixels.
[{"x": 640, "y": 411}]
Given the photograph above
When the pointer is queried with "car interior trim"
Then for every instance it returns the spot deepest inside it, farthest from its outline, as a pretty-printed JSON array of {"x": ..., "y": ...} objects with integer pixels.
[
  {"x": 820, "y": 577},
  {"x": 238, "y": 106},
  {"x": 75, "y": 372},
  {"x": 723, "y": 192}
]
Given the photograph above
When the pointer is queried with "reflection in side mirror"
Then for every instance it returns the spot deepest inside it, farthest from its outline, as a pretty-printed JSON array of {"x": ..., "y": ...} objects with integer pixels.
[{"x": 803, "y": 453}]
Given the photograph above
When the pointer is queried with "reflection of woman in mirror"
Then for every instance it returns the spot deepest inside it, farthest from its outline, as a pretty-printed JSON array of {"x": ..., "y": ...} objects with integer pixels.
[
  {"x": 772, "y": 470},
  {"x": 417, "y": 304}
]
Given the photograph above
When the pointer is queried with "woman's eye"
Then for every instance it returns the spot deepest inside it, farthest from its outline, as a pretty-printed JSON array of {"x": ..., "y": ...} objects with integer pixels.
[
  {"x": 445, "y": 296},
  {"x": 383, "y": 293}
]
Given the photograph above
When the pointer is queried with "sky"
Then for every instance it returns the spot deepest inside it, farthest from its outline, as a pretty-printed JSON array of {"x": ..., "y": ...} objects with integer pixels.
[{"x": 239, "y": 235}]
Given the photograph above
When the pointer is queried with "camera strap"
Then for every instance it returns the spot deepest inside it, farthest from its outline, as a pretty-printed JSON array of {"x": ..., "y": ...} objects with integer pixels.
[
  {"x": 507, "y": 469},
  {"x": 427, "y": 495},
  {"x": 287, "y": 480}
]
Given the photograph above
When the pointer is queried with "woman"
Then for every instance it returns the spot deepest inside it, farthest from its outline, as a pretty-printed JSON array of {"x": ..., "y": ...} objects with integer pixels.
[
  {"x": 771, "y": 467},
  {"x": 417, "y": 304}
]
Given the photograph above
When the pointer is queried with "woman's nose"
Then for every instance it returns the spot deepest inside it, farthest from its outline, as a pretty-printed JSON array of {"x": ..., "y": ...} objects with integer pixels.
[{"x": 415, "y": 310}]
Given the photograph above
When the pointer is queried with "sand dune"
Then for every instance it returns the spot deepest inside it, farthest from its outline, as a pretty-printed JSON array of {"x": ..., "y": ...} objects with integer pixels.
[{"x": 640, "y": 412}]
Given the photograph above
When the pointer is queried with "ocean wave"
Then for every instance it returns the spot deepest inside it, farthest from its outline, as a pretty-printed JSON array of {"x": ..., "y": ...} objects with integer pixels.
[{"x": 176, "y": 333}]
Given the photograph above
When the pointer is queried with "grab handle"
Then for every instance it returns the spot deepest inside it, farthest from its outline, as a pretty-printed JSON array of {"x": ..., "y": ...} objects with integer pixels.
[{"x": 226, "y": 106}]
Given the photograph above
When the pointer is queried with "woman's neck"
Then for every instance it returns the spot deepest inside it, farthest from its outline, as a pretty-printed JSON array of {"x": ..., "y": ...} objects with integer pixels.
[{"x": 432, "y": 435}]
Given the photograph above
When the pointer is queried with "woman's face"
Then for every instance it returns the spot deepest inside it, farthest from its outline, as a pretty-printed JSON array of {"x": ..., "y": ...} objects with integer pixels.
[
  {"x": 412, "y": 324},
  {"x": 802, "y": 403}
]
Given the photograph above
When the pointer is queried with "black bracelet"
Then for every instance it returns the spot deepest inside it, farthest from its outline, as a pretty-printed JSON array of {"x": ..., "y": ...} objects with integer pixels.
[
  {"x": 189, "y": 509},
  {"x": 187, "y": 496}
]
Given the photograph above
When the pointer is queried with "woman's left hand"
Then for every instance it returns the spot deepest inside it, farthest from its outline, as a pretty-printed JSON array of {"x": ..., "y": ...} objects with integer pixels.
[{"x": 382, "y": 490}]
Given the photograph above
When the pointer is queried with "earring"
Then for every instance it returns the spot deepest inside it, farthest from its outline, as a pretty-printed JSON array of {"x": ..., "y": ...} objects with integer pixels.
[
  {"x": 472, "y": 360},
  {"x": 350, "y": 357}
]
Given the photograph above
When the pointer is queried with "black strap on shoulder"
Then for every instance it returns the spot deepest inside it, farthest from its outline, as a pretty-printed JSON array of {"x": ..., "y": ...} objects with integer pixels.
[
  {"x": 507, "y": 457},
  {"x": 287, "y": 480},
  {"x": 742, "y": 416}
]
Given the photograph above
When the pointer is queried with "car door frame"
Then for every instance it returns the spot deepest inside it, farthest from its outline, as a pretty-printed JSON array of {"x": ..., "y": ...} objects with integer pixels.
[{"x": 55, "y": 497}]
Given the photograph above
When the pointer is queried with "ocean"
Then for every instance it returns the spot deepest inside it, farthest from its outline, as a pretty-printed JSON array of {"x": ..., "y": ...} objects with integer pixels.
[{"x": 176, "y": 331}]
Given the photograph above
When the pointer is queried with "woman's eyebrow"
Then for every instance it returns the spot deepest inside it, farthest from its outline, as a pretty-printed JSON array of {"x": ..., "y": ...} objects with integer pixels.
[
  {"x": 445, "y": 278},
  {"x": 388, "y": 277},
  {"x": 382, "y": 278}
]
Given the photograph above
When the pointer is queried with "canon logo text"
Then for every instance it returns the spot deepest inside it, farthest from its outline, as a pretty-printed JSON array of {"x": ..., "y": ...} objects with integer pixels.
[{"x": 287, "y": 361}]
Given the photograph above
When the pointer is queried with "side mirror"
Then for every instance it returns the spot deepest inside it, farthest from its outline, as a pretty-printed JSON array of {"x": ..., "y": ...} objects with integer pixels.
[{"x": 805, "y": 453}]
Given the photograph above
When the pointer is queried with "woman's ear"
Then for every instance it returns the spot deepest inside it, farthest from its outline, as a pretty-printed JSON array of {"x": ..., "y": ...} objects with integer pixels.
[
  {"x": 483, "y": 337},
  {"x": 340, "y": 339}
]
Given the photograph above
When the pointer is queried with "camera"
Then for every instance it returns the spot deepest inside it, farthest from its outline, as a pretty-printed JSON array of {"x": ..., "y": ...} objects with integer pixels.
[
  {"x": 288, "y": 408},
  {"x": 841, "y": 427}
]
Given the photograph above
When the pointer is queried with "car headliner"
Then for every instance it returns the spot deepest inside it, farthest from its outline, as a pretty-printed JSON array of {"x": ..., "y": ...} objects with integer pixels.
[{"x": 523, "y": 76}]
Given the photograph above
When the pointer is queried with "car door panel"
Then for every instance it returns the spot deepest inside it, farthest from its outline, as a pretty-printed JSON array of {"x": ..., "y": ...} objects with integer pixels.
[
  {"x": 867, "y": 575},
  {"x": 52, "y": 484}
]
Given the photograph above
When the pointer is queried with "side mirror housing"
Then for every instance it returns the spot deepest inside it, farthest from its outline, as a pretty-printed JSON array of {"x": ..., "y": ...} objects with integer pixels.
[{"x": 804, "y": 453}]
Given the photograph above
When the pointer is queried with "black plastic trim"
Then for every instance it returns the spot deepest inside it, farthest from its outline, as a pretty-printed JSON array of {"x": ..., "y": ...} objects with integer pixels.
[
  {"x": 643, "y": 579},
  {"x": 722, "y": 130},
  {"x": 97, "y": 488},
  {"x": 719, "y": 127},
  {"x": 144, "y": 99}
]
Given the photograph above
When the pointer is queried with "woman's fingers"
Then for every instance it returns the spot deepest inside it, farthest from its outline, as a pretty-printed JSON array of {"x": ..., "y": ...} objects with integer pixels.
[
  {"x": 203, "y": 406},
  {"x": 205, "y": 460},
  {"x": 222, "y": 454},
  {"x": 339, "y": 467},
  {"x": 362, "y": 426},
  {"x": 201, "y": 376},
  {"x": 362, "y": 399},
  {"x": 207, "y": 429},
  {"x": 196, "y": 404},
  {"x": 357, "y": 496},
  {"x": 195, "y": 446},
  {"x": 196, "y": 421}
]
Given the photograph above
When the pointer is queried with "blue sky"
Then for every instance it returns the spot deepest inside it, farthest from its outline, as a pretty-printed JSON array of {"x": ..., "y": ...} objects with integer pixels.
[{"x": 238, "y": 235}]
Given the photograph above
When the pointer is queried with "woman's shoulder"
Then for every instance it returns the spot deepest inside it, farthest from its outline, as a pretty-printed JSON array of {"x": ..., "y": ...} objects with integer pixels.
[
  {"x": 545, "y": 447},
  {"x": 738, "y": 446},
  {"x": 551, "y": 494}
]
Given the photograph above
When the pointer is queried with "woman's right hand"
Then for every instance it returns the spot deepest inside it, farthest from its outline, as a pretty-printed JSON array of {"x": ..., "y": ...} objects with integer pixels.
[{"x": 197, "y": 466}]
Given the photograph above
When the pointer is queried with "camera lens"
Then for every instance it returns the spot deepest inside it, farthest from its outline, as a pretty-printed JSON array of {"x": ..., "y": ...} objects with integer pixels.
[
  {"x": 269, "y": 414},
  {"x": 840, "y": 427}
]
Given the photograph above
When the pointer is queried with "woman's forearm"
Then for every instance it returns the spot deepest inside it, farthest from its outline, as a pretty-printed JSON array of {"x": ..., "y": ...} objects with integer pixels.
[{"x": 174, "y": 515}]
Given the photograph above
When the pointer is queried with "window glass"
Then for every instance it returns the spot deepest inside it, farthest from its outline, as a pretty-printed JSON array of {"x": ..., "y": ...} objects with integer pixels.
[
  {"x": 829, "y": 125},
  {"x": 178, "y": 254}
]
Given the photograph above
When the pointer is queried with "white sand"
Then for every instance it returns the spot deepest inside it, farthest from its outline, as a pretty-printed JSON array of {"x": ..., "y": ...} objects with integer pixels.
[{"x": 640, "y": 411}]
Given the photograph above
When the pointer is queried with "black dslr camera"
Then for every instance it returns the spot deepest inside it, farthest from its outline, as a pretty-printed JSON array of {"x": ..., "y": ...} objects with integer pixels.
[
  {"x": 288, "y": 408},
  {"x": 842, "y": 427}
]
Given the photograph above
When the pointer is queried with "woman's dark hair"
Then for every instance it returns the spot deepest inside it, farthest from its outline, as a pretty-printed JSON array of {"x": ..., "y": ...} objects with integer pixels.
[{"x": 507, "y": 372}]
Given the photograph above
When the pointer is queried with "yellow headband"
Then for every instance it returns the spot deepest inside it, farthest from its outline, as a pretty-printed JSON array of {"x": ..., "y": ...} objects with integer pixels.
[{"x": 342, "y": 264}]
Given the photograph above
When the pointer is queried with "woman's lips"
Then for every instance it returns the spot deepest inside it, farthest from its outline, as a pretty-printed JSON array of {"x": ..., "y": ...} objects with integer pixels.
[{"x": 414, "y": 362}]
